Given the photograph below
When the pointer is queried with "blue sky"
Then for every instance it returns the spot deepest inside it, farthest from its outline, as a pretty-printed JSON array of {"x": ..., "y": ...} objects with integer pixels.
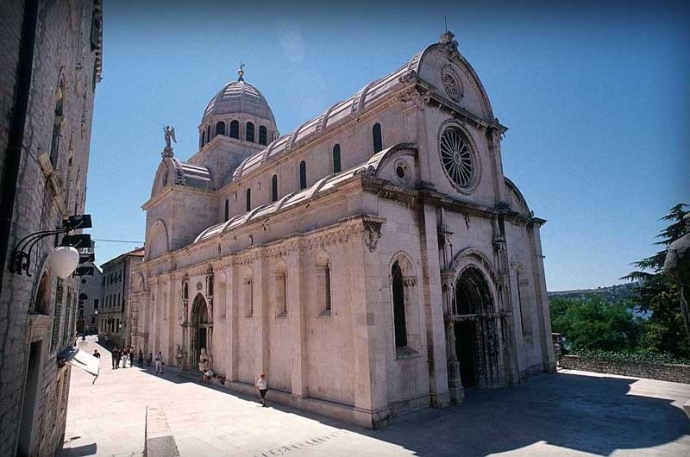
[{"x": 595, "y": 98}]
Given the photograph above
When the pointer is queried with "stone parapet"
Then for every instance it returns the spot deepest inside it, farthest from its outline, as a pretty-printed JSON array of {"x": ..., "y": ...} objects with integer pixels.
[{"x": 661, "y": 372}]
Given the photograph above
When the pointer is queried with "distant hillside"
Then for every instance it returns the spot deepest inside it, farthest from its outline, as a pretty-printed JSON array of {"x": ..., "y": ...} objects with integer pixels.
[{"x": 611, "y": 294}]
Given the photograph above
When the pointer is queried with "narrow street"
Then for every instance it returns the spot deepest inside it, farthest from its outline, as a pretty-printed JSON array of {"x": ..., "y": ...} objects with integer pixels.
[{"x": 568, "y": 414}]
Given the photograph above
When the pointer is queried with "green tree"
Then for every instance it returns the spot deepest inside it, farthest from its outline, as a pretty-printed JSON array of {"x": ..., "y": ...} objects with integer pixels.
[
  {"x": 665, "y": 329},
  {"x": 593, "y": 323}
]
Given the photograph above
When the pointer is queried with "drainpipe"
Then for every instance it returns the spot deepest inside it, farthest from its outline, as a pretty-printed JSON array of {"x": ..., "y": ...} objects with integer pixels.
[{"x": 15, "y": 139}]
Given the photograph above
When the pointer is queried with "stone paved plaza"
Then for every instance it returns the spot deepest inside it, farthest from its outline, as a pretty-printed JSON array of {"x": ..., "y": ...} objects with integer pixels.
[{"x": 567, "y": 414}]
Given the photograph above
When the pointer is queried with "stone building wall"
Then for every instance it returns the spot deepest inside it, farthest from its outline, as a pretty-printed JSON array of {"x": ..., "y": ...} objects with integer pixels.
[
  {"x": 662, "y": 372},
  {"x": 38, "y": 312}
]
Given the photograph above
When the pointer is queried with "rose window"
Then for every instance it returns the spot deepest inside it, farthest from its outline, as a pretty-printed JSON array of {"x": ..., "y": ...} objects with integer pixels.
[
  {"x": 451, "y": 84},
  {"x": 457, "y": 158}
]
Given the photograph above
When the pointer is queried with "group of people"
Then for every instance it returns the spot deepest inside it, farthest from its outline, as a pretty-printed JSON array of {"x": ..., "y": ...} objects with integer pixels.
[{"x": 127, "y": 354}]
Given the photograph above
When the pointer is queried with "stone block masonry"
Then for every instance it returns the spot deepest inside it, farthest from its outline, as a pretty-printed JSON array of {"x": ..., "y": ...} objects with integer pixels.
[{"x": 661, "y": 372}]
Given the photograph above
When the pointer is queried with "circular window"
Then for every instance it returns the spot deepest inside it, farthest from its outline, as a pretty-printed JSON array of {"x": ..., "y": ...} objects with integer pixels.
[
  {"x": 457, "y": 158},
  {"x": 400, "y": 171},
  {"x": 451, "y": 83}
]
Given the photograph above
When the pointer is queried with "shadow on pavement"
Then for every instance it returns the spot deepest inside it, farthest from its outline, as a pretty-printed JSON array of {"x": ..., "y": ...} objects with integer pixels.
[{"x": 578, "y": 412}]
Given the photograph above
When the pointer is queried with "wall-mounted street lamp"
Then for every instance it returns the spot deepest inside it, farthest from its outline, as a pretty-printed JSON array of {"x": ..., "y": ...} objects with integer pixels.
[{"x": 63, "y": 259}]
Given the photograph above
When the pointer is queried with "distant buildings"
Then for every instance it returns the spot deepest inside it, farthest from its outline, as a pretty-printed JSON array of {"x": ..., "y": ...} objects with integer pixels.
[
  {"x": 50, "y": 56},
  {"x": 115, "y": 313},
  {"x": 90, "y": 300}
]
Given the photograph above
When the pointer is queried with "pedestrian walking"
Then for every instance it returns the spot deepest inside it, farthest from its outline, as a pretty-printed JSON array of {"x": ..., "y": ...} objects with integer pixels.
[
  {"x": 140, "y": 360},
  {"x": 115, "y": 355},
  {"x": 262, "y": 386},
  {"x": 159, "y": 363},
  {"x": 131, "y": 356},
  {"x": 160, "y": 357},
  {"x": 124, "y": 358}
]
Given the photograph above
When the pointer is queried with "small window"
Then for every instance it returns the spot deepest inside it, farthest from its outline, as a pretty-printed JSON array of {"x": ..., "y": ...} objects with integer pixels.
[
  {"x": 95, "y": 30},
  {"x": 274, "y": 188},
  {"x": 250, "y": 132},
  {"x": 378, "y": 141},
  {"x": 327, "y": 281},
  {"x": 249, "y": 199},
  {"x": 302, "y": 175},
  {"x": 263, "y": 135},
  {"x": 227, "y": 210},
  {"x": 95, "y": 303},
  {"x": 220, "y": 128},
  {"x": 57, "y": 127},
  {"x": 235, "y": 129},
  {"x": 249, "y": 297},
  {"x": 336, "y": 158}
]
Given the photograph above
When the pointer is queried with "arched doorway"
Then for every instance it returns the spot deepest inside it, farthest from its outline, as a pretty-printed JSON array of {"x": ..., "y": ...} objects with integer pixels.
[
  {"x": 201, "y": 329},
  {"x": 474, "y": 328}
]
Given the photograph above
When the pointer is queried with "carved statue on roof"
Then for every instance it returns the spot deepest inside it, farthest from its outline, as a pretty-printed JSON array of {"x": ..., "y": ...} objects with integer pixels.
[{"x": 169, "y": 134}]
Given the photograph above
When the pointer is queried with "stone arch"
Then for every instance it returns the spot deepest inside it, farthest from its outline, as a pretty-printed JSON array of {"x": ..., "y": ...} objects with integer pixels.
[
  {"x": 43, "y": 293},
  {"x": 323, "y": 270},
  {"x": 157, "y": 240},
  {"x": 200, "y": 329},
  {"x": 474, "y": 327}
]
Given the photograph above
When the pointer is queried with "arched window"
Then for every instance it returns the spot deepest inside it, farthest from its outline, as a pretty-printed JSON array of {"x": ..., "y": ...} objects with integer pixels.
[
  {"x": 336, "y": 158},
  {"x": 323, "y": 284},
  {"x": 274, "y": 188},
  {"x": 220, "y": 128},
  {"x": 263, "y": 135},
  {"x": 378, "y": 141},
  {"x": 227, "y": 209},
  {"x": 208, "y": 134},
  {"x": 249, "y": 199},
  {"x": 250, "y": 132},
  {"x": 235, "y": 129},
  {"x": 302, "y": 175},
  {"x": 57, "y": 127},
  {"x": 399, "y": 306}
]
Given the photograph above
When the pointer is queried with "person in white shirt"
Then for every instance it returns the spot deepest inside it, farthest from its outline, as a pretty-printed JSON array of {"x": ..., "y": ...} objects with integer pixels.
[
  {"x": 262, "y": 386},
  {"x": 159, "y": 362}
]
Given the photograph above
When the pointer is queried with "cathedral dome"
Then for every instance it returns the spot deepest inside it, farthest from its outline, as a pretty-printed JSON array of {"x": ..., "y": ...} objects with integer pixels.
[{"x": 239, "y": 97}]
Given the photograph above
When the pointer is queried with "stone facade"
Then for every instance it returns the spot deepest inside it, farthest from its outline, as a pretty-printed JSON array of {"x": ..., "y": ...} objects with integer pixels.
[
  {"x": 115, "y": 316},
  {"x": 372, "y": 262},
  {"x": 51, "y": 51},
  {"x": 662, "y": 372}
]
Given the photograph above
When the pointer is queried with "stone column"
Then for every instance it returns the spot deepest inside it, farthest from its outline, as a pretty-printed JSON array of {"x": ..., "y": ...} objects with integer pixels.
[
  {"x": 540, "y": 297},
  {"x": 433, "y": 305},
  {"x": 298, "y": 285},
  {"x": 369, "y": 341},
  {"x": 261, "y": 314}
]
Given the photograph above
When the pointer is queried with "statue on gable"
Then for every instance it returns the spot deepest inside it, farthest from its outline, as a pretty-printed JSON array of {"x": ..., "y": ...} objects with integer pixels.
[{"x": 169, "y": 135}]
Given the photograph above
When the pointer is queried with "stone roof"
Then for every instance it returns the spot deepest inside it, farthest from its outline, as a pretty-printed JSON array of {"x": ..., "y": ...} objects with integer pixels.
[
  {"x": 370, "y": 167},
  {"x": 339, "y": 113},
  {"x": 239, "y": 97},
  {"x": 196, "y": 176}
]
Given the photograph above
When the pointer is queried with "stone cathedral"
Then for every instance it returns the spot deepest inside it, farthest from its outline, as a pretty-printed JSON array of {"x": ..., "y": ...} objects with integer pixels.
[{"x": 374, "y": 261}]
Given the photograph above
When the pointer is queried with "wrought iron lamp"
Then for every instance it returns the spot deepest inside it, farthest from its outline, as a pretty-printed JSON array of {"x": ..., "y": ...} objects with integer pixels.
[{"x": 64, "y": 259}]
